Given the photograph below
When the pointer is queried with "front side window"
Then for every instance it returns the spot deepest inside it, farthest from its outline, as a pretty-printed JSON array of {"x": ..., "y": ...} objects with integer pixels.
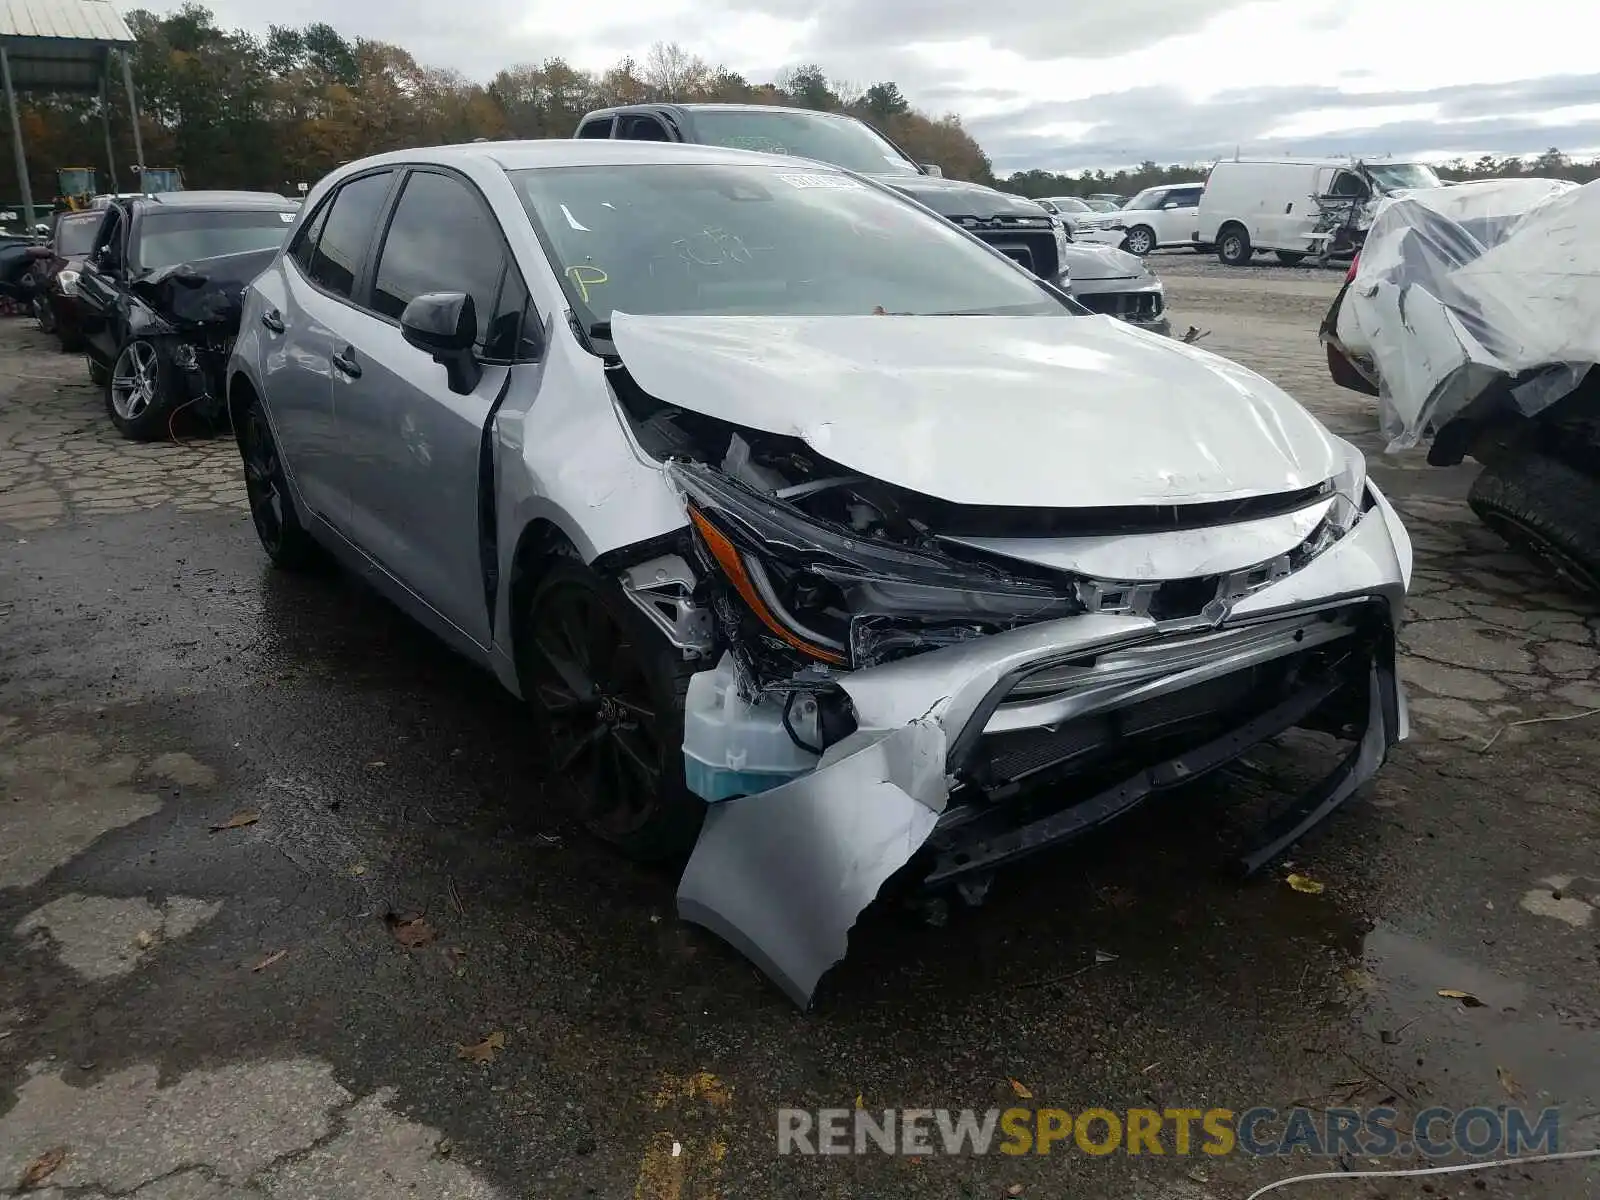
[
  {"x": 304, "y": 245},
  {"x": 842, "y": 141},
  {"x": 176, "y": 236},
  {"x": 442, "y": 239},
  {"x": 1183, "y": 197},
  {"x": 761, "y": 240},
  {"x": 347, "y": 232}
]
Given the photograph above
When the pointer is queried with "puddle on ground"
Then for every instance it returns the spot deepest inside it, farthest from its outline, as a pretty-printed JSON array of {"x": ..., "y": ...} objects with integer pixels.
[{"x": 1469, "y": 1052}]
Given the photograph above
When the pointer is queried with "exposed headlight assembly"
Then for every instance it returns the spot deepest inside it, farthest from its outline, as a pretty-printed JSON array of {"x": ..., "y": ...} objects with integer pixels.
[
  {"x": 68, "y": 282},
  {"x": 839, "y": 598}
]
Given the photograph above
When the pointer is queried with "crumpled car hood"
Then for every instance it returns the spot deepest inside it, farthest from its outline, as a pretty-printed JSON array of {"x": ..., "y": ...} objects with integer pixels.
[
  {"x": 1029, "y": 411},
  {"x": 1088, "y": 262},
  {"x": 219, "y": 298}
]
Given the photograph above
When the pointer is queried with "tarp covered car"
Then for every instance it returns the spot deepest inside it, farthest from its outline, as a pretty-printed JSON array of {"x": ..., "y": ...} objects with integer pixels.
[{"x": 1473, "y": 314}]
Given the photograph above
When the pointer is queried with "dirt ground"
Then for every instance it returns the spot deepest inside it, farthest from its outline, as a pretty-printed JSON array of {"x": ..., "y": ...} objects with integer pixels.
[{"x": 190, "y": 1012}]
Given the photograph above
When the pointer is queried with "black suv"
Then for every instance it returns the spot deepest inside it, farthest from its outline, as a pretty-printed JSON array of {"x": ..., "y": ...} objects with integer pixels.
[{"x": 1102, "y": 279}]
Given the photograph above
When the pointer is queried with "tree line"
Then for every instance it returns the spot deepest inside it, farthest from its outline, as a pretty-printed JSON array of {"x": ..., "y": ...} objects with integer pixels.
[
  {"x": 234, "y": 110},
  {"x": 1552, "y": 164}
]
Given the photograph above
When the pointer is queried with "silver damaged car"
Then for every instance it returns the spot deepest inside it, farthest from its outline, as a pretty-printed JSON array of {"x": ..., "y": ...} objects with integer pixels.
[{"x": 824, "y": 542}]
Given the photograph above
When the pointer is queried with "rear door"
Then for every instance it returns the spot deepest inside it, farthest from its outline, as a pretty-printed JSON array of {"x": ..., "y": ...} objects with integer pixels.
[
  {"x": 416, "y": 446},
  {"x": 316, "y": 281}
]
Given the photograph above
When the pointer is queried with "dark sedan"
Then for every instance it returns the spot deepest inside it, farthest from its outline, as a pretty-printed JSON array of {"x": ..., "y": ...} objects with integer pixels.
[
  {"x": 55, "y": 304},
  {"x": 160, "y": 294}
]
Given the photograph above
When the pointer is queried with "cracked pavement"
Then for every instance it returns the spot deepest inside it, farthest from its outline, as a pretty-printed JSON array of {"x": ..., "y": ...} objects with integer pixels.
[{"x": 224, "y": 793}]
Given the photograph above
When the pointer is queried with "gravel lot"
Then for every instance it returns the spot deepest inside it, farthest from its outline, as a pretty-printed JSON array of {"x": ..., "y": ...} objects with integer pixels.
[{"x": 189, "y": 1014}]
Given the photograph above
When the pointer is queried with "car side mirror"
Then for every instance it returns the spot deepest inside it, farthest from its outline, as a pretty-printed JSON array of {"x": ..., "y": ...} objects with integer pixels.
[
  {"x": 444, "y": 325},
  {"x": 934, "y": 169}
]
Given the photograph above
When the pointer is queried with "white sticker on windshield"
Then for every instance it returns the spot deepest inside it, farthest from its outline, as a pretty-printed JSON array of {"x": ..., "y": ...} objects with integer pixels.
[
  {"x": 286, "y": 218},
  {"x": 819, "y": 181},
  {"x": 573, "y": 221}
]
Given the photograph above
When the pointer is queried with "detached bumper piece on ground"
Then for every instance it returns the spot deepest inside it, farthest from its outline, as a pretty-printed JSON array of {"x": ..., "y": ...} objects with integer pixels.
[{"x": 1473, "y": 314}]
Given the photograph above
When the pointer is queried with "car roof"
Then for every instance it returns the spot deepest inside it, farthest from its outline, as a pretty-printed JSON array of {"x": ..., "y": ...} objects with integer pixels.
[
  {"x": 211, "y": 200},
  {"x": 711, "y": 106},
  {"x": 576, "y": 152}
]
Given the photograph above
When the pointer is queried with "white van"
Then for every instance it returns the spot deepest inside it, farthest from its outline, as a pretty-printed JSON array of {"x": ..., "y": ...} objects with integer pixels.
[{"x": 1296, "y": 207}]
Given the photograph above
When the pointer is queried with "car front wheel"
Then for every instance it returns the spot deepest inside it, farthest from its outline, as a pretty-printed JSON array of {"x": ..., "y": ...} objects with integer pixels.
[
  {"x": 1545, "y": 509},
  {"x": 607, "y": 691},
  {"x": 1141, "y": 240},
  {"x": 1233, "y": 246},
  {"x": 139, "y": 389}
]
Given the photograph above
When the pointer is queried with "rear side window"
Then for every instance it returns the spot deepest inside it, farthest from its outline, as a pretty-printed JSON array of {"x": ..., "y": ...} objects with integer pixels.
[
  {"x": 347, "y": 232},
  {"x": 636, "y": 128},
  {"x": 597, "y": 127},
  {"x": 442, "y": 239}
]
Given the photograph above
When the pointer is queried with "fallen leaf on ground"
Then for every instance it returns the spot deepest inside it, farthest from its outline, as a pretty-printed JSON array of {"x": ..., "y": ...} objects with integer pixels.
[
  {"x": 144, "y": 939},
  {"x": 1466, "y": 998},
  {"x": 377, "y": 765},
  {"x": 411, "y": 932},
  {"x": 484, "y": 1051},
  {"x": 1304, "y": 883},
  {"x": 358, "y": 870},
  {"x": 42, "y": 1168},
  {"x": 1510, "y": 1084},
  {"x": 859, "y": 1102},
  {"x": 1021, "y": 1089},
  {"x": 1014, "y": 1190},
  {"x": 238, "y": 821},
  {"x": 275, "y": 956},
  {"x": 1104, "y": 956}
]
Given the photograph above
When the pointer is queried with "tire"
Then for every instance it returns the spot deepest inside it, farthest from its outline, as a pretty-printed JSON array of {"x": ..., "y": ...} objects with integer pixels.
[
  {"x": 1233, "y": 246},
  {"x": 611, "y": 712},
  {"x": 99, "y": 374},
  {"x": 139, "y": 390},
  {"x": 266, "y": 489},
  {"x": 1141, "y": 240},
  {"x": 1290, "y": 258},
  {"x": 1546, "y": 510}
]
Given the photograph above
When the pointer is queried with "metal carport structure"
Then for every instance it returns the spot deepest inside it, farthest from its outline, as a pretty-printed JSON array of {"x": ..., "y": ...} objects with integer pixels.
[{"x": 63, "y": 46}]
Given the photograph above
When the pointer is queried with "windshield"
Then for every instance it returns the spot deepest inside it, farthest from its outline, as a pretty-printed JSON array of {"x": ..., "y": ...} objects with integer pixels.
[
  {"x": 75, "y": 235},
  {"x": 842, "y": 141},
  {"x": 1395, "y": 176},
  {"x": 160, "y": 179},
  {"x": 76, "y": 181},
  {"x": 169, "y": 238},
  {"x": 1070, "y": 204},
  {"x": 1101, "y": 205},
  {"x": 759, "y": 240}
]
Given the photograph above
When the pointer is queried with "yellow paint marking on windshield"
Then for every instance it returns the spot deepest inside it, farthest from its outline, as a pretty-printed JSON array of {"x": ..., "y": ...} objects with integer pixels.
[{"x": 585, "y": 277}]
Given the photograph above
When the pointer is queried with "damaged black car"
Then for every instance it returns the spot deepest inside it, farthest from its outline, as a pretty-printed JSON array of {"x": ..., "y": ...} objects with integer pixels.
[{"x": 159, "y": 299}]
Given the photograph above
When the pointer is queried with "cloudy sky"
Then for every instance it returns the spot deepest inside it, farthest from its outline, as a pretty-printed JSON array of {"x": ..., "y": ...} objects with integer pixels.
[{"x": 1094, "y": 83}]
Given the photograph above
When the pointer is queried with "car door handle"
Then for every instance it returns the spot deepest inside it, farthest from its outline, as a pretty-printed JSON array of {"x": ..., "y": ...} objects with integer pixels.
[
  {"x": 272, "y": 320},
  {"x": 1289, "y": 207},
  {"x": 344, "y": 362}
]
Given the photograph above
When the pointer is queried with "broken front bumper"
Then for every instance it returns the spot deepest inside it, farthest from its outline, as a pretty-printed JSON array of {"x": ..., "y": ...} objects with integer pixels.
[
  {"x": 955, "y": 748},
  {"x": 1140, "y": 301}
]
